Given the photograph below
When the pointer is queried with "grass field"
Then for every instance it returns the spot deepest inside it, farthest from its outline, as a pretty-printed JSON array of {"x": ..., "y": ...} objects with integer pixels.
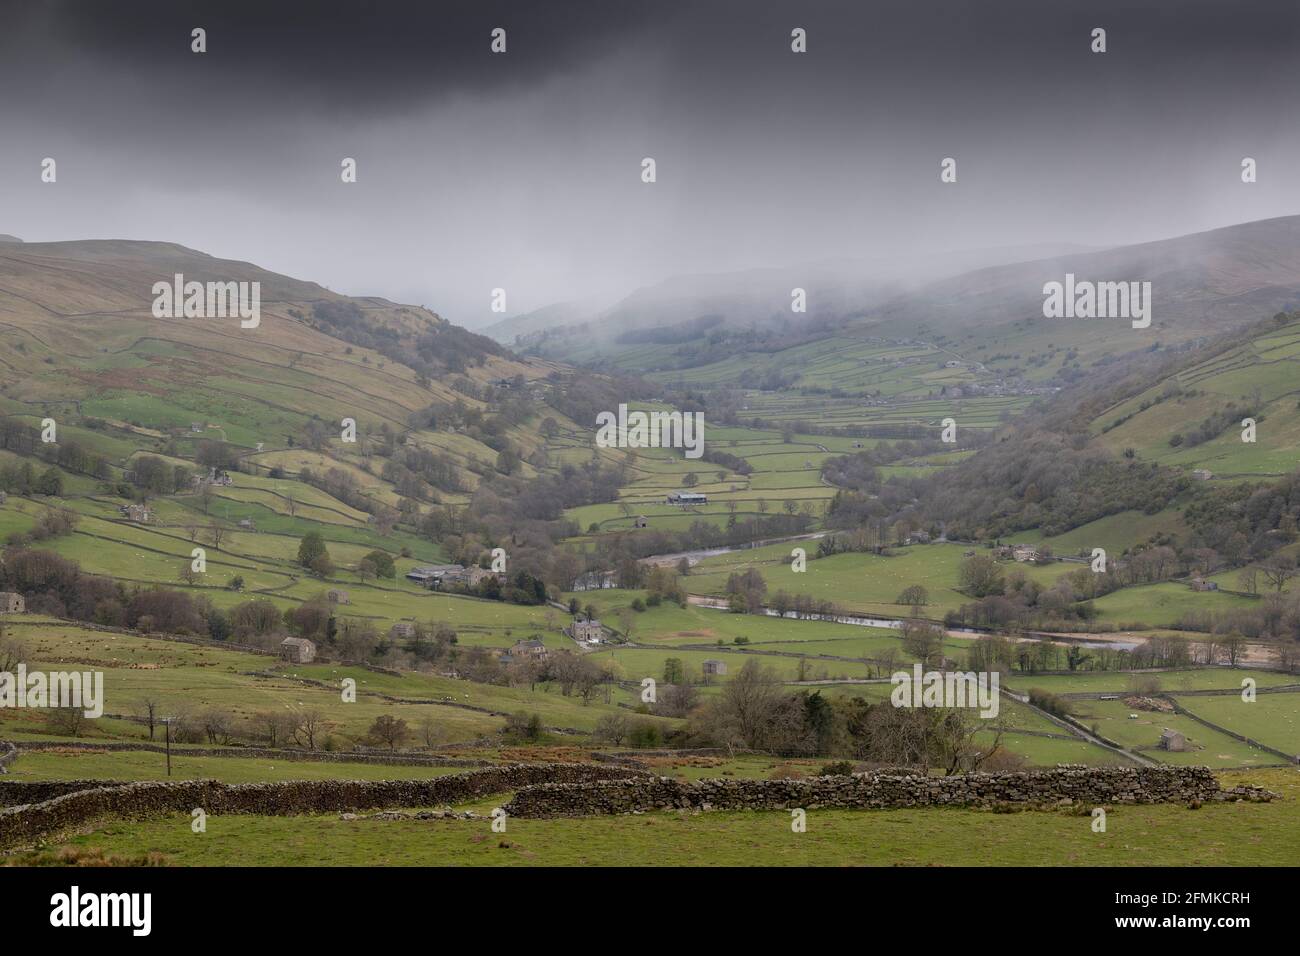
[
  {"x": 187, "y": 679},
  {"x": 1222, "y": 834}
]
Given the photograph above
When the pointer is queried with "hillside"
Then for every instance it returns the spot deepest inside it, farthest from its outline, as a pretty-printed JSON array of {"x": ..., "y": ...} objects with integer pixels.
[
  {"x": 147, "y": 409},
  {"x": 988, "y": 316},
  {"x": 82, "y": 343},
  {"x": 1192, "y": 416},
  {"x": 836, "y": 289}
]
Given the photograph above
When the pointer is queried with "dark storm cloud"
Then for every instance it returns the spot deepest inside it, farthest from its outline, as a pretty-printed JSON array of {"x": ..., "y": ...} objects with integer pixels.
[
  {"x": 379, "y": 56},
  {"x": 522, "y": 170}
]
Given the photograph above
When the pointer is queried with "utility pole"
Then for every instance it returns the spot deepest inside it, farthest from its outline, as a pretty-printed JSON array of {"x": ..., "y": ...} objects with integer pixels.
[{"x": 167, "y": 723}]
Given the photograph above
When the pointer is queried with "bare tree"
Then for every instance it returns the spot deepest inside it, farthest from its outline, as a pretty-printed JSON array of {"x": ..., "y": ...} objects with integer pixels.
[
  {"x": 310, "y": 728},
  {"x": 68, "y": 721},
  {"x": 12, "y": 651},
  {"x": 952, "y": 741},
  {"x": 1234, "y": 645},
  {"x": 150, "y": 707},
  {"x": 217, "y": 726},
  {"x": 430, "y": 731},
  {"x": 389, "y": 730},
  {"x": 613, "y": 729},
  {"x": 1248, "y": 579},
  {"x": 1278, "y": 570},
  {"x": 627, "y": 621}
]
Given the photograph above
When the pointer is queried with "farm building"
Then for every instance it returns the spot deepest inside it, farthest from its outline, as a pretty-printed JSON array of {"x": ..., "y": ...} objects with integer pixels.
[
  {"x": 338, "y": 597},
  {"x": 642, "y": 521},
  {"x": 918, "y": 537},
  {"x": 12, "y": 602},
  {"x": 3, "y": 497},
  {"x": 523, "y": 649},
  {"x": 431, "y": 575},
  {"x": 712, "y": 668},
  {"x": 687, "y": 498},
  {"x": 1200, "y": 584},
  {"x": 297, "y": 650},
  {"x": 141, "y": 514},
  {"x": 1202, "y": 474},
  {"x": 247, "y": 524},
  {"x": 585, "y": 631},
  {"x": 1173, "y": 741},
  {"x": 1024, "y": 552},
  {"x": 402, "y": 630}
]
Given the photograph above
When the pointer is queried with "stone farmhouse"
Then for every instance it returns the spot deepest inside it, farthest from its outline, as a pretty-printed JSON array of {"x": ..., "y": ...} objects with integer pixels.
[
  {"x": 523, "y": 650},
  {"x": 585, "y": 631}
]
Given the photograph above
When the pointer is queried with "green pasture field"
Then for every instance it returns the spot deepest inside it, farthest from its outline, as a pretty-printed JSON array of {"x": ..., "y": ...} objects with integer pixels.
[
  {"x": 1125, "y": 682},
  {"x": 1116, "y": 533},
  {"x": 71, "y": 764},
  {"x": 1050, "y": 751},
  {"x": 862, "y": 582},
  {"x": 186, "y": 679},
  {"x": 1162, "y": 605},
  {"x": 1205, "y": 746},
  {"x": 1272, "y": 719}
]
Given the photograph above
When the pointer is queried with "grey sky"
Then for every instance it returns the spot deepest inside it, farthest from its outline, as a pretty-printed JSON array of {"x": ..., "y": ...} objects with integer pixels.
[{"x": 523, "y": 170}]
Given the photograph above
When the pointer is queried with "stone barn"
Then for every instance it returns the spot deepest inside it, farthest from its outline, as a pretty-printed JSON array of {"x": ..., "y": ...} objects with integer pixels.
[
  {"x": 11, "y": 602},
  {"x": 1173, "y": 741},
  {"x": 338, "y": 597},
  {"x": 297, "y": 650},
  {"x": 713, "y": 668}
]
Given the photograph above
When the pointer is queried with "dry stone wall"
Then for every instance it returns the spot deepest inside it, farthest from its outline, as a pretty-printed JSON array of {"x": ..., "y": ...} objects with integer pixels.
[
  {"x": 1095, "y": 786},
  {"x": 24, "y": 824}
]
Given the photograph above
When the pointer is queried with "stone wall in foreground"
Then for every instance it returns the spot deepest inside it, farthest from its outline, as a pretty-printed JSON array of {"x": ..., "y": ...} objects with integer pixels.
[
  {"x": 27, "y": 823},
  {"x": 1093, "y": 786}
]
